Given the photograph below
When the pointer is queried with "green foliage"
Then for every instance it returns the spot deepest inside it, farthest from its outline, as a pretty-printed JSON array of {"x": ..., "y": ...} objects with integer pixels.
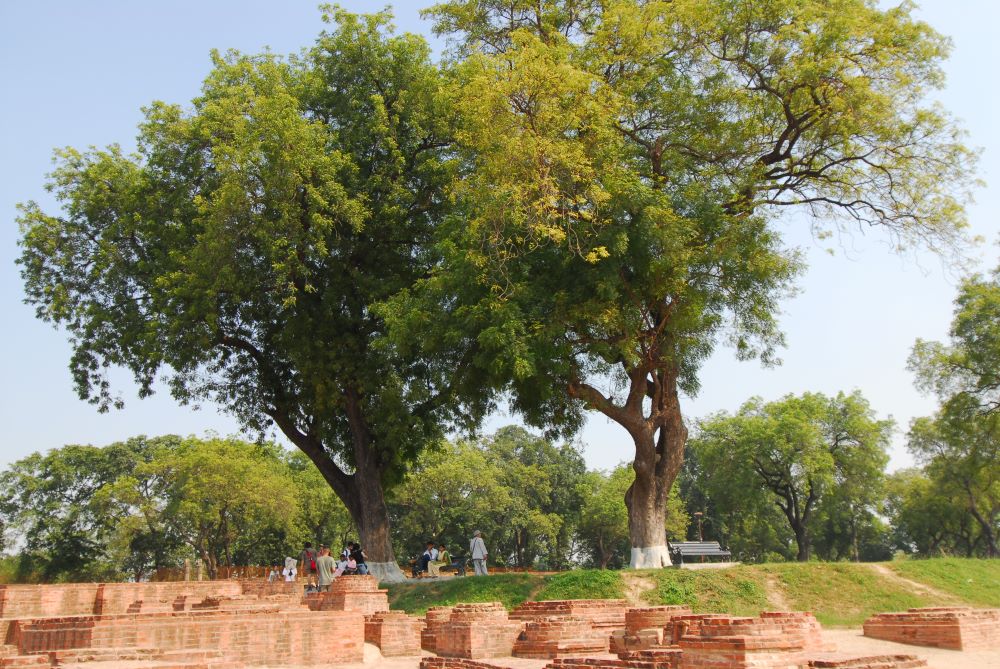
[
  {"x": 965, "y": 373},
  {"x": 242, "y": 249},
  {"x": 842, "y": 594},
  {"x": 739, "y": 590},
  {"x": 626, "y": 164},
  {"x": 582, "y": 584},
  {"x": 520, "y": 490},
  {"x": 928, "y": 519},
  {"x": 975, "y": 581},
  {"x": 806, "y": 455},
  {"x": 122, "y": 511},
  {"x": 510, "y": 589}
]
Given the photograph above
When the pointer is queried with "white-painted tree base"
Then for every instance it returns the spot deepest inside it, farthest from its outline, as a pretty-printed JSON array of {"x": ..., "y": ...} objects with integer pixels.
[
  {"x": 650, "y": 557},
  {"x": 386, "y": 572}
]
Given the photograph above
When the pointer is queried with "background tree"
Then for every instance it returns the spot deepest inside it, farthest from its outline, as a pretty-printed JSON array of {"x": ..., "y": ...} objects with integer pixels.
[
  {"x": 242, "y": 247},
  {"x": 624, "y": 162},
  {"x": 927, "y": 520},
  {"x": 47, "y": 501},
  {"x": 961, "y": 451},
  {"x": 741, "y": 515},
  {"x": 805, "y": 451},
  {"x": 967, "y": 370},
  {"x": 519, "y": 489}
]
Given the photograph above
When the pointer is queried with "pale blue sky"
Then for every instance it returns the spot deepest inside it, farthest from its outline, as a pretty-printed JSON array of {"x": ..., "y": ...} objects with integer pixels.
[{"x": 77, "y": 73}]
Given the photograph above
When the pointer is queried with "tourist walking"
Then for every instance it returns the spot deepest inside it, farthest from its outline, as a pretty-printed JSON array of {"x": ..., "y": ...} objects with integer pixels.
[{"x": 477, "y": 550}]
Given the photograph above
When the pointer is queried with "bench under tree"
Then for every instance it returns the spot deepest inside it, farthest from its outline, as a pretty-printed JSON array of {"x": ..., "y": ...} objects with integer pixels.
[{"x": 682, "y": 550}]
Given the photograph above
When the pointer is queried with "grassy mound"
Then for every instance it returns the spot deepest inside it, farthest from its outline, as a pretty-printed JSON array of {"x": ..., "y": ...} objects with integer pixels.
[
  {"x": 838, "y": 593},
  {"x": 975, "y": 581},
  {"x": 739, "y": 590},
  {"x": 418, "y": 596}
]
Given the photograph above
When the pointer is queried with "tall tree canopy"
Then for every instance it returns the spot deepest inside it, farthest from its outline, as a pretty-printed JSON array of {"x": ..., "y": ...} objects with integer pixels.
[
  {"x": 960, "y": 445},
  {"x": 241, "y": 248},
  {"x": 804, "y": 451},
  {"x": 624, "y": 161}
]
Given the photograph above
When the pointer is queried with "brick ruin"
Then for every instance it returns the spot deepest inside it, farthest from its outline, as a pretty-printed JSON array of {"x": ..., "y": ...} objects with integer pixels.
[
  {"x": 956, "y": 628},
  {"x": 237, "y": 624}
]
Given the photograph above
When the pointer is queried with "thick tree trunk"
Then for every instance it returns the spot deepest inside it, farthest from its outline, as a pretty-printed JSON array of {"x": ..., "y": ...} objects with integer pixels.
[
  {"x": 657, "y": 464},
  {"x": 659, "y": 440},
  {"x": 361, "y": 492}
]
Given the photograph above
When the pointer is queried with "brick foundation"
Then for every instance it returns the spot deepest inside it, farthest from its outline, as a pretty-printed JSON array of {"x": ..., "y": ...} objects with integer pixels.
[
  {"x": 436, "y": 617},
  {"x": 550, "y": 638},
  {"x": 645, "y": 628},
  {"x": 956, "y": 628},
  {"x": 476, "y": 631},
  {"x": 360, "y": 594},
  {"x": 772, "y": 641},
  {"x": 394, "y": 632}
]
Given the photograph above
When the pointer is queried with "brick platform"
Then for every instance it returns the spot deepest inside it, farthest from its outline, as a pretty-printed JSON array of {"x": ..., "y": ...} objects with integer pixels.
[
  {"x": 360, "y": 594},
  {"x": 436, "y": 617},
  {"x": 564, "y": 636},
  {"x": 773, "y": 641},
  {"x": 178, "y": 625},
  {"x": 394, "y": 632},
  {"x": 607, "y": 614},
  {"x": 956, "y": 628},
  {"x": 262, "y": 637},
  {"x": 476, "y": 631},
  {"x": 645, "y": 628}
]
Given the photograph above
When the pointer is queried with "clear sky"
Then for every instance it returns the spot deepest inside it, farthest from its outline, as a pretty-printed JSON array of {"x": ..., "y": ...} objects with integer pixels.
[{"x": 76, "y": 74}]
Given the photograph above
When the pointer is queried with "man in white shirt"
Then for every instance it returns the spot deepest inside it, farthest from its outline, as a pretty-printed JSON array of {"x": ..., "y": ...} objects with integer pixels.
[{"x": 477, "y": 550}]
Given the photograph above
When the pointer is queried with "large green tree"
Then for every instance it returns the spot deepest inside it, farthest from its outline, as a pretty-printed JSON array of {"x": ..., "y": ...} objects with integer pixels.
[
  {"x": 805, "y": 451},
  {"x": 960, "y": 445},
  {"x": 966, "y": 371},
  {"x": 625, "y": 160},
  {"x": 241, "y": 248}
]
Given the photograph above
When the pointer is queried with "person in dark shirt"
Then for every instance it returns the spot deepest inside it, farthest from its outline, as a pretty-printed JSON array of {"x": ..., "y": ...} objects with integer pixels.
[{"x": 360, "y": 558}]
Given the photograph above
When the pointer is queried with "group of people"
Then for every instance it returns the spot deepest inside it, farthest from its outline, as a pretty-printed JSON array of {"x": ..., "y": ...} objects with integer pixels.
[
  {"x": 434, "y": 558},
  {"x": 318, "y": 567}
]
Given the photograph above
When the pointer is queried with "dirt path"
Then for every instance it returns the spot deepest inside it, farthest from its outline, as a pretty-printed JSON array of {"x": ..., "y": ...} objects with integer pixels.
[
  {"x": 916, "y": 587},
  {"x": 635, "y": 585},
  {"x": 776, "y": 597}
]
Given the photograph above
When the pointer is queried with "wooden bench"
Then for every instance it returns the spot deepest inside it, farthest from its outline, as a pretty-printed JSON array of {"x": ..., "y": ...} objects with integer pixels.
[{"x": 697, "y": 549}]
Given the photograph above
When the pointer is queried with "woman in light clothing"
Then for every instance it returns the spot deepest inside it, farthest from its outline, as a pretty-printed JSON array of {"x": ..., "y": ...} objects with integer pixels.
[{"x": 477, "y": 550}]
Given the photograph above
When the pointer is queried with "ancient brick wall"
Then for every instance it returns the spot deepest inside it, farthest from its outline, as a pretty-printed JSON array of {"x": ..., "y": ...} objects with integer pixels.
[
  {"x": 394, "y": 632},
  {"x": 957, "y": 628},
  {"x": 476, "y": 631}
]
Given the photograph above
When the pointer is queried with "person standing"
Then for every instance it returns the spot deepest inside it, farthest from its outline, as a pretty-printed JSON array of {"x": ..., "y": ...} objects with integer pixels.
[
  {"x": 307, "y": 564},
  {"x": 477, "y": 550},
  {"x": 325, "y": 566},
  {"x": 360, "y": 558}
]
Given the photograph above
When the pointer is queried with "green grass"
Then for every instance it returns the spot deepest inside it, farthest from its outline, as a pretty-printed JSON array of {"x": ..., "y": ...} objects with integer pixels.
[
  {"x": 839, "y": 593},
  {"x": 975, "y": 581},
  {"x": 582, "y": 584},
  {"x": 739, "y": 590},
  {"x": 510, "y": 589}
]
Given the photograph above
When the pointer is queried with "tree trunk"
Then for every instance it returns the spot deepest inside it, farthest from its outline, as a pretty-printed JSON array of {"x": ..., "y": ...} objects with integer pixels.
[
  {"x": 361, "y": 492},
  {"x": 802, "y": 541},
  {"x": 659, "y": 440},
  {"x": 656, "y": 467}
]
